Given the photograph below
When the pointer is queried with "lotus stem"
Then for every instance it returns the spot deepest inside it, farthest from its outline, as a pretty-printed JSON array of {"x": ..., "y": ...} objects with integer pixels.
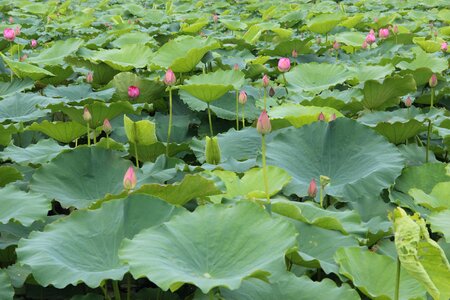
[
  {"x": 237, "y": 110},
  {"x": 321, "y": 196},
  {"x": 210, "y": 122},
  {"x": 116, "y": 290},
  {"x": 88, "y": 132},
  {"x": 397, "y": 281},
  {"x": 264, "y": 165},
  {"x": 107, "y": 141},
  {"x": 129, "y": 287},
  {"x": 428, "y": 141},
  {"x": 243, "y": 116},
  {"x": 95, "y": 137},
  {"x": 136, "y": 157},
  {"x": 76, "y": 143},
  {"x": 432, "y": 97},
  {"x": 105, "y": 291},
  {"x": 169, "y": 130},
  {"x": 265, "y": 99},
  {"x": 11, "y": 51},
  {"x": 285, "y": 84}
]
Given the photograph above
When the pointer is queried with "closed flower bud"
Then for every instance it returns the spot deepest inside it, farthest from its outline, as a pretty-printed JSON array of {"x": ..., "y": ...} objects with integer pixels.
[
  {"x": 333, "y": 117},
  {"x": 265, "y": 80},
  {"x": 133, "y": 92},
  {"x": 444, "y": 46},
  {"x": 107, "y": 126},
  {"x": 263, "y": 125},
  {"x": 318, "y": 40},
  {"x": 236, "y": 67},
  {"x": 215, "y": 18},
  {"x": 321, "y": 117},
  {"x": 395, "y": 29},
  {"x": 433, "y": 81},
  {"x": 9, "y": 34},
  {"x": 294, "y": 53},
  {"x": 284, "y": 64},
  {"x": 17, "y": 30},
  {"x": 408, "y": 102},
  {"x": 242, "y": 97},
  {"x": 129, "y": 180},
  {"x": 364, "y": 45},
  {"x": 212, "y": 151},
  {"x": 89, "y": 77},
  {"x": 370, "y": 39},
  {"x": 33, "y": 43},
  {"x": 271, "y": 92},
  {"x": 169, "y": 78},
  {"x": 11, "y": 20},
  {"x": 383, "y": 33},
  {"x": 312, "y": 189},
  {"x": 23, "y": 57},
  {"x": 87, "y": 115},
  {"x": 336, "y": 45}
]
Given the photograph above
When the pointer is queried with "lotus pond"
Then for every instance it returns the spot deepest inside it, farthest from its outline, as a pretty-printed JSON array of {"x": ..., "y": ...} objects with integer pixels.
[{"x": 291, "y": 150}]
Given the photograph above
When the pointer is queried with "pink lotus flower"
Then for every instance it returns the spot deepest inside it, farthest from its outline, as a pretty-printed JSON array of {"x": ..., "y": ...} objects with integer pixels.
[
  {"x": 87, "y": 115},
  {"x": 169, "y": 78},
  {"x": 242, "y": 97},
  {"x": 9, "y": 34},
  {"x": 265, "y": 80},
  {"x": 444, "y": 46},
  {"x": 370, "y": 38},
  {"x": 383, "y": 33},
  {"x": 133, "y": 92},
  {"x": 107, "y": 126},
  {"x": 408, "y": 102},
  {"x": 33, "y": 43},
  {"x": 312, "y": 188},
  {"x": 130, "y": 180},
  {"x": 321, "y": 117},
  {"x": 284, "y": 64},
  {"x": 89, "y": 77},
  {"x": 263, "y": 125},
  {"x": 433, "y": 81},
  {"x": 294, "y": 53},
  {"x": 364, "y": 45}
]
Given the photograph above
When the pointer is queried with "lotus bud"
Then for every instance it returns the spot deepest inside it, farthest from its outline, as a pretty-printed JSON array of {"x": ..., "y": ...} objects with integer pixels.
[
  {"x": 17, "y": 30},
  {"x": 324, "y": 181},
  {"x": 372, "y": 32},
  {"x": 333, "y": 117},
  {"x": 129, "y": 180},
  {"x": 212, "y": 151},
  {"x": 215, "y": 18},
  {"x": 133, "y": 92},
  {"x": 242, "y": 97},
  {"x": 321, "y": 117},
  {"x": 431, "y": 25},
  {"x": 89, "y": 77},
  {"x": 107, "y": 128},
  {"x": 236, "y": 67},
  {"x": 87, "y": 115},
  {"x": 271, "y": 92},
  {"x": 383, "y": 33},
  {"x": 433, "y": 81},
  {"x": 312, "y": 189},
  {"x": 336, "y": 45},
  {"x": 265, "y": 80},
  {"x": 435, "y": 33},
  {"x": 395, "y": 29},
  {"x": 23, "y": 57},
  {"x": 370, "y": 39},
  {"x": 9, "y": 34},
  {"x": 33, "y": 43},
  {"x": 318, "y": 40},
  {"x": 444, "y": 46},
  {"x": 364, "y": 45},
  {"x": 375, "y": 20},
  {"x": 284, "y": 64},
  {"x": 294, "y": 53},
  {"x": 11, "y": 20},
  {"x": 408, "y": 102},
  {"x": 169, "y": 78},
  {"x": 263, "y": 125}
]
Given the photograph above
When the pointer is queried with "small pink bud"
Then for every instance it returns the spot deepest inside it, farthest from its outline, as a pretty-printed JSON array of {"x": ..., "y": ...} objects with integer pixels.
[
  {"x": 236, "y": 67},
  {"x": 383, "y": 33},
  {"x": 370, "y": 39},
  {"x": 107, "y": 126},
  {"x": 336, "y": 45},
  {"x": 265, "y": 80},
  {"x": 242, "y": 97},
  {"x": 33, "y": 43},
  {"x": 395, "y": 29},
  {"x": 371, "y": 31},
  {"x": 90, "y": 77},
  {"x": 263, "y": 125},
  {"x": 321, "y": 117},
  {"x": 271, "y": 92},
  {"x": 129, "y": 180},
  {"x": 23, "y": 57},
  {"x": 11, "y": 20},
  {"x": 375, "y": 20},
  {"x": 215, "y": 18},
  {"x": 133, "y": 92},
  {"x": 17, "y": 30},
  {"x": 333, "y": 117},
  {"x": 408, "y": 102},
  {"x": 444, "y": 46},
  {"x": 169, "y": 78},
  {"x": 9, "y": 34},
  {"x": 433, "y": 81},
  {"x": 364, "y": 45},
  {"x": 312, "y": 188},
  {"x": 87, "y": 115},
  {"x": 294, "y": 53},
  {"x": 284, "y": 64}
]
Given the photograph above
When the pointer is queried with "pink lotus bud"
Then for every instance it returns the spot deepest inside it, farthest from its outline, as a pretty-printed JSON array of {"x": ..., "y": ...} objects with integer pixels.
[
  {"x": 444, "y": 46},
  {"x": 312, "y": 188},
  {"x": 133, "y": 92},
  {"x": 364, "y": 45},
  {"x": 169, "y": 78},
  {"x": 215, "y": 18},
  {"x": 383, "y": 33},
  {"x": 87, "y": 115},
  {"x": 11, "y": 20},
  {"x": 89, "y": 77},
  {"x": 318, "y": 40},
  {"x": 371, "y": 31},
  {"x": 370, "y": 38},
  {"x": 433, "y": 81},
  {"x": 236, "y": 67},
  {"x": 9, "y": 34},
  {"x": 336, "y": 45},
  {"x": 242, "y": 97},
  {"x": 107, "y": 126},
  {"x": 284, "y": 64},
  {"x": 33, "y": 43},
  {"x": 271, "y": 92},
  {"x": 375, "y": 20},
  {"x": 435, "y": 33},
  {"x": 321, "y": 117},
  {"x": 294, "y": 53},
  {"x": 129, "y": 180},
  {"x": 408, "y": 102},
  {"x": 263, "y": 125},
  {"x": 395, "y": 29},
  {"x": 17, "y": 30},
  {"x": 23, "y": 57},
  {"x": 333, "y": 117},
  {"x": 265, "y": 80}
]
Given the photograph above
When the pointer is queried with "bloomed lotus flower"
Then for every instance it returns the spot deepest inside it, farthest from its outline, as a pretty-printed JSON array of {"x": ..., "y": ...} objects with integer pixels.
[
  {"x": 433, "y": 81},
  {"x": 383, "y": 33},
  {"x": 284, "y": 64},
  {"x": 265, "y": 80},
  {"x": 33, "y": 43},
  {"x": 133, "y": 92},
  {"x": 242, "y": 97},
  {"x": 9, "y": 34},
  {"x": 312, "y": 188},
  {"x": 444, "y": 46},
  {"x": 130, "y": 180},
  {"x": 263, "y": 125},
  {"x": 169, "y": 78}
]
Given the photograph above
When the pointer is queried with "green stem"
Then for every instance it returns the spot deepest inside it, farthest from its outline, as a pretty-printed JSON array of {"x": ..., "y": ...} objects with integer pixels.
[
  {"x": 105, "y": 291},
  {"x": 428, "y": 140},
  {"x": 265, "y": 99},
  {"x": 237, "y": 110},
  {"x": 18, "y": 52},
  {"x": 210, "y": 122},
  {"x": 116, "y": 290},
  {"x": 266, "y": 180},
  {"x": 321, "y": 196},
  {"x": 76, "y": 143},
  {"x": 243, "y": 115},
  {"x": 136, "y": 157},
  {"x": 432, "y": 97},
  {"x": 169, "y": 130},
  {"x": 88, "y": 131},
  {"x": 397, "y": 281},
  {"x": 11, "y": 51},
  {"x": 95, "y": 137},
  {"x": 129, "y": 287},
  {"x": 285, "y": 84},
  {"x": 107, "y": 141}
]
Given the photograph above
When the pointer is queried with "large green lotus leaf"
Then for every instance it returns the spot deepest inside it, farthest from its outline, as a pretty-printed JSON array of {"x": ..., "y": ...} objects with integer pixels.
[
  {"x": 310, "y": 213},
  {"x": 284, "y": 48},
  {"x": 382, "y": 95},
  {"x": 41, "y": 152},
  {"x": 440, "y": 222},
  {"x": 438, "y": 199},
  {"x": 424, "y": 60},
  {"x": 77, "y": 93},
  {"x": 374, "y": 274},
  {"x": 102, "y": 72},
  {"x": 127, "y": 58},
  {"x": 23, "y": 107},
  {"x": 141, "y": 132},
  {"x": 429, "y": 46},
  {"x": 364, "y": 72},
  {"x": 61, "y": 72},
  {"x": 421, "y": 256},
  {"x": 25, "y": 70},
  {"x": 132, "y": 38},
  {"x": 324, "y": 23},
  {"x": 328, "y": 149},
  {"x": 233, "y": 24},
  {"x": 290, "y": 287},
  {"x": 64, "y": 132},
  {"x": 316, "y": 77},
  {"x": 81, "y": 176},
  {"x": 55, "y": 54},
  {"x": 180, "y": 193},
  {"x": 83, "y": 247},
  {"x": 17, "y": 85},
  {"x": 183, "y": 53},
  {"x": 150, "y": 90},
  {"x": 194, "y": 27},
  {"x": 5, "y": 134},
  {"x": 151, "y": 152},
  {"x": 298, "y": 115},
  {"x": 352, "y": 21},
  {"x": 21, "y": 206},
  {"x": 351, "y": 38},
  {"x": 211, "y": 86},
  {"x": 415, "y": 155},
  {"x": 423, "y": 177},
  {"x": 397, "y": 126},
  {"x": 216, "y": 245},
  {"x": 6, "y": 289},
  {"x": 9, "y": 174},
  {"x": 251, "y": 184}
]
